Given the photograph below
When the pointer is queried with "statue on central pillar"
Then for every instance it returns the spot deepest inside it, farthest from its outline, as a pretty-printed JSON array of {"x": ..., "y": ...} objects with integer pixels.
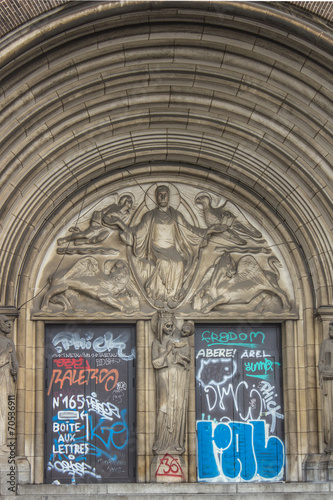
[
  {"x": 171, "y": 360},
  {"x": 325, "y": 367}
]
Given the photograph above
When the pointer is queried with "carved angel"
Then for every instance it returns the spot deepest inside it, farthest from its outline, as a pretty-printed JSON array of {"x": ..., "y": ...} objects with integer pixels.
[{"x": 99, "y": 225}]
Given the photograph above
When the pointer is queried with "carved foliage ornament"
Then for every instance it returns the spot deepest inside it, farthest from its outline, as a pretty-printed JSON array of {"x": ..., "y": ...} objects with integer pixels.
[{"x": 166, "y": 246}]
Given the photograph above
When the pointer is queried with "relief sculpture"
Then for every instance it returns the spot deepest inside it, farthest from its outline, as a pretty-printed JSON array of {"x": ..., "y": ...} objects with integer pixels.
[
  {"x": 229, "y": 283},
  {"x": 97, "y": 231},
  {"x": 177, "y": 247},
  {"x": 111, "y": 286},
  {"x": 167, "y": 247},
  {"x": 238, "y": 228}
]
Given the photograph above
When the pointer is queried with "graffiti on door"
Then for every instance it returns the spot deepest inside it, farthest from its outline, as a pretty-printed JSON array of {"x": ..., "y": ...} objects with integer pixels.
[
  {"x": 89, "y": 403},
  {"x": 239, "y": 409}
]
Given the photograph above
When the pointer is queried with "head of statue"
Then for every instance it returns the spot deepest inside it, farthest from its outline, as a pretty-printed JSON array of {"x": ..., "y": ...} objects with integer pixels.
[
  {"x": 162, "y": 195},
  {"x": 168, "y": 327},
  {"x": 126, "y": 200},
  {"x": 330, "y": 329},
  {"x": 166, "y": 324},
  {"x": 203, "y": 199},
  {"x": 187, "y": 329},
  {"x": 5, "y": 324}
]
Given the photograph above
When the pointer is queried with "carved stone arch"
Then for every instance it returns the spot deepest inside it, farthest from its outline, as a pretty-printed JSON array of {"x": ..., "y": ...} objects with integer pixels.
[{"x": 222, "y": 188}]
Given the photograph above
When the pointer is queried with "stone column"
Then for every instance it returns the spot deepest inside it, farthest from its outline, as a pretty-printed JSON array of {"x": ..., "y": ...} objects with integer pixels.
[{"x": 8, "y": 376}]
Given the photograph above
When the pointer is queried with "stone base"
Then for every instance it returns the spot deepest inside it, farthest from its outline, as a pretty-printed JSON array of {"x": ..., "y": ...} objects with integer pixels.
[
  {"x": 23, "y": 470},
  {"x": 168, "y": 468},
  {"x": 184, "y": 491},
  {"x": 318, "y": 468}
]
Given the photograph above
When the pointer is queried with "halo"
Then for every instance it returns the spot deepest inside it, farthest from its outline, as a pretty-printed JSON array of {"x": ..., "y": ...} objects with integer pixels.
[{"x": 174, "y": 201}]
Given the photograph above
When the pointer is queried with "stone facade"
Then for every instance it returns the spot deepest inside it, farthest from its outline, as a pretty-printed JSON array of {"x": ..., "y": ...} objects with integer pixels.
[{"x": 226, "y": 109}]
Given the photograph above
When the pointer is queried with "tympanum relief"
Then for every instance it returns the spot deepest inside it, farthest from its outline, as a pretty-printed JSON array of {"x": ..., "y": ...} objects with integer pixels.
[{"x": 164, "y": 246}]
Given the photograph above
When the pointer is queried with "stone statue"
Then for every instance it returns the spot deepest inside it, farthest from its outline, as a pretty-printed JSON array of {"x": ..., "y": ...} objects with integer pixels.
[
  {"x": 167, "y": 247},
  {"x": 171, "y": 360},
  {"x": 8, "y": 375},
  {"x": 325, "y": 367}
]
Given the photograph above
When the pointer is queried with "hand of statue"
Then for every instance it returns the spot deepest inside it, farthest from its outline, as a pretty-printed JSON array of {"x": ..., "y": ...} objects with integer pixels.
[
  {"x": 114, "y": 221},
  {"x": 184, "y": 360},
  {"x": 228, "y": 219},
  {"x": 183, "y": 343},
  {"x": 217, "y": 228},
  {"x": 169, "y": 346}
]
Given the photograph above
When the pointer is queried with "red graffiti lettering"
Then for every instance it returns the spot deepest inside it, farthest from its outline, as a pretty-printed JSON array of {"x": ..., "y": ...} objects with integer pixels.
[
  {"x": 169, "y": 466},
  {"x": 82, "y": 377},
  {"x": 71, "y": 363}
]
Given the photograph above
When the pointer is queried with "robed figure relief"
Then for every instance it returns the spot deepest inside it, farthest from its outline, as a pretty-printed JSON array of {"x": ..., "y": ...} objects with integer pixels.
[
  {"x": 165, "y": 247},
  {"x": 171, "y": 360},
  {"x": 325, "y": 367},
  {"x": 8, "y": 375}
]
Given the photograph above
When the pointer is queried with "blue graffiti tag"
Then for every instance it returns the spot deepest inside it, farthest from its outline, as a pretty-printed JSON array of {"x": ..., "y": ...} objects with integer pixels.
[
  {"x": 87, "y": 439},
  {"x": 238, "y": 450},
  {"x": 108, "y": 436}
]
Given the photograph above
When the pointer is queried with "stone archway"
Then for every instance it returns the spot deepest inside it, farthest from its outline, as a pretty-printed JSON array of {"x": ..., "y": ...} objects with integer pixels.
[{"x": 96, "y": 95}]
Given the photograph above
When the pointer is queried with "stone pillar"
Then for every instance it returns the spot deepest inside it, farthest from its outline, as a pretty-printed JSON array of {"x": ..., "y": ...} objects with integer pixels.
[
  {"x": 8, "y": 376},
  {"x": 171, "y": 356},
  {"x": 318, "y": 467}
]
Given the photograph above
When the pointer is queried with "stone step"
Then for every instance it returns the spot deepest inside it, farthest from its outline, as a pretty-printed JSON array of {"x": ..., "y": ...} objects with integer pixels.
[
  {"x": 222, "y": 496},
  {"x": 173, "y": 491}
]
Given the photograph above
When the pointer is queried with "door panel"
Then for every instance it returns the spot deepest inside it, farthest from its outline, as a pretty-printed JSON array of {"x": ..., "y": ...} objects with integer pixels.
[
  {"x": 90, "y": 403},
  {"x": 239, "y": 408}
]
